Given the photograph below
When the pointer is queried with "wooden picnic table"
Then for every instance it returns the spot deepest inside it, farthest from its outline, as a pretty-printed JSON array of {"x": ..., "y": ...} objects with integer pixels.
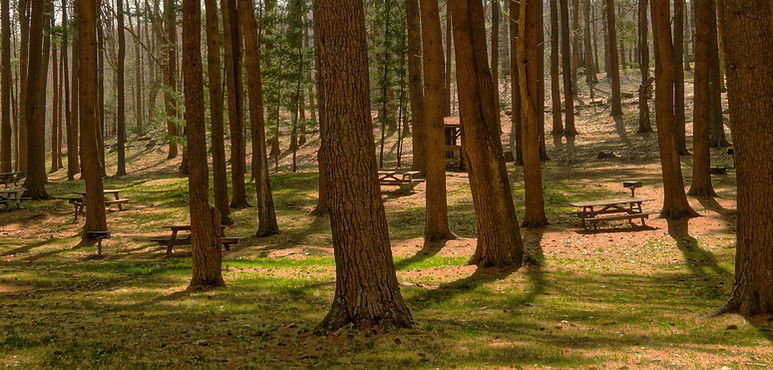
[
  {"x": 79, "y": 202},
  {"x": 405, "y": 179},
  {"x": 174, "y": 239},
  {"x": 8, "y": 196},
  {"x": 7, "y": 178},
  {"x": 628, "y": 208}
]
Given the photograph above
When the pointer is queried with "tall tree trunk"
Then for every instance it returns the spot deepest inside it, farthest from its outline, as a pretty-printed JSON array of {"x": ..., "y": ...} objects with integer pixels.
[
  {"x": 681, "y": 140},
  {"x": 54, "y": 106},
  {"x": 569, "y": 79},
  {"x": 170, "y": 73},
  {"x": 415, "y": 85},
  {"x": 266, "y": 216},
  {"x": 746, "y": 36},
  {"x": 205, "y": 220},
  {"x": 121, "y": 93},
  {"x": 101, "y": 88},
  {"x": 716, "y": 121},
  {"x": 322, "y": 208},
  {"x": 24, "y": 55},
  {"x": 73, "y": 149},
  {"x": 139, "y": 74},
  {"x": 219, "y": 177},
  {"x": 701, "y": 178},
  {"x": 36, "y": 105},
  {"x": 494, "y": 55},
  {"x": 5, "y": 93},
  {"x": 645, "y": 89},
  {"x": 516, "y": 143},
  {"x": 675, "y": 205},
  {"x": 367, "y": 294},
  {"x": 590, "y": 66},
  {"x": 448, "y": 76},
  {"x": 89, "y": 116},
  {"x": 499, "y": 238},
  {"x": 541, "y": 82},
  {"x": 614, "y": 67},
  {"x": 436, "y": 225},
  {"x": 555, "y": 83},
  {"x": 233, "y": 74},
  {"x": 575, "y": 34},
  {"x": 60, "y": 103}
]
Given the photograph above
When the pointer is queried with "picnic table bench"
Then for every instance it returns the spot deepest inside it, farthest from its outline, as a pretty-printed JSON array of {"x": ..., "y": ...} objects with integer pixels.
[
  {"x": 8, "y": 196},
  {"x": 614, "y": 209},
  {"x": 405, "y": 179},
  {"x": 7, "y": 178},
  {"x": 175, "y": 239},
  {"x": 79, "y": 203}
]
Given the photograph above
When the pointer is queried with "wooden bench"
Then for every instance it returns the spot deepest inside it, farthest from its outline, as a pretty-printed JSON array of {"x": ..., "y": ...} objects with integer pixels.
[
  {"x": 171, "y": 241},
  {"x": 405, "y": 179},
  {"x": 7, "y": 178},
  {"x": 11, "y": 196},
  {"x": 79, "y": 202},
  {"x": 619, "y": 217}
]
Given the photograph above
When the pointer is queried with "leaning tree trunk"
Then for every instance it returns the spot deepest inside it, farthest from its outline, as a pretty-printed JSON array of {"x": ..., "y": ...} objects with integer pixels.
[
  {"x": 367, "y": 295},
  {"x": 675, "y": 205},
  {"x": 219, "y": 176},
  {"x": 415, "y": 85},
  {"x": 205, "y": 220},
  {"x": 35, "y": 107},
  {"x": 701, "y": 178},
  {"x": 747, "y": 36},
  {"x": 266, "y": 216},
  {"x": 499, "y": 238},
  {"x": 89, "y": 116},
  {"x": 614, "y": 67},
  {"x": 436, "y": 225}
]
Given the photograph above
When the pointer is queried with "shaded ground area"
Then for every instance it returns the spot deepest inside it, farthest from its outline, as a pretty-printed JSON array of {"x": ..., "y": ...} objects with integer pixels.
[{"x": 613, "y": 298}]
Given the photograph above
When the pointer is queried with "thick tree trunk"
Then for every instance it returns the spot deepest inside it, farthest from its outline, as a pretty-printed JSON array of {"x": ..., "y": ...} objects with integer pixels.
[
  {"x": 555, "y": 83},
  {"x": 5, "y": 93},
  {"x": 436, "y": 225},
  {"x": 681, "y": 140},
  {"x": 121, "y": 93},
  {"x": 527, "y": 71},
  {"x": 675, "y": 205},
  {"x": 233, "y": 73},
  {"x": 266, "y": 215},
  {"x": 367, "y": 294},
  {"x": 205, "y": 220},
  {"x": 747, "y": 36},
  {"x": 614, "y": 67},
  {"x": 569, "y": 78},
  {"x": 516, "y": 143},
  {"x": 219, "y": 177},
  {"x": 89, "y": 116},
  {"x": 701, "y": 178},
  {"x": 415, "y": 85},
  {"x": 36, "y": 106},
  {"x": 499, "y": 238}
]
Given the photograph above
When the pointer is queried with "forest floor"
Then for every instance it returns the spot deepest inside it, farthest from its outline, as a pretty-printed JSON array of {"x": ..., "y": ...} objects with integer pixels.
[{"x": 616, "y": 297}]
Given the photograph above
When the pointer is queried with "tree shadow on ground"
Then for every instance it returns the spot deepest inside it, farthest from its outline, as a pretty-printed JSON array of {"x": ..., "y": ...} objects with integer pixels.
[
  {"x": 620, "y": 130},
  {"x": 428, "y": 250},
  {"x": 701, "y": 262}
]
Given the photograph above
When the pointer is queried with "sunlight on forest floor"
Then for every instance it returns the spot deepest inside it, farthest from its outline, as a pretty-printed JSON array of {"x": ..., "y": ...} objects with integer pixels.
[{"x": 613, "y": 298}]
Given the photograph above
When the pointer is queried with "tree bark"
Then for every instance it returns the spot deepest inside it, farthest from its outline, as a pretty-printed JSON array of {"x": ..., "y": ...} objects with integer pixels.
[
  {"x": 516, "y": 143},
  {"x": 436, "y": 225},
  {"x": 645, "y": 89},
  {"x": 499, "y": 238},
  {"x": 219, "y": 177},
  {"x": 266, "y": 215},
  {"x": 233, "y": 73},
  {"x": 569, "y": 74},
  {"x": 89, "y": 116},
  {"x": 73, "y": 150},
  {"x": 681, "y": 139},
  {"x": 614, "y": 67},
  {"x": 170, "y": 73},
  {"x": 24, "y": 54},
  {"x": 415, "y": 85},
  {"x": 555, "y": 83},
  {"x": 716, "y": 122},
  {"x": 5, "y": 93},
  {"x": 747, "y": 35},
  {"x": 205, "y": 220},
  {"x": 36, "y": 106},
  {"x": 367, "y": 294},
  {"x": 701, "y": 178},
  {"x": 449, "y": 45},
  {"x": 121, "y": 92},
  {"x": 675, "y": 205}
]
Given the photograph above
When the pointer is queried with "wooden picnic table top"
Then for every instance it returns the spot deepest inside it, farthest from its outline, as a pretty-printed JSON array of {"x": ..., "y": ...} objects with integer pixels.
[
  {"x": 611, "y": 201},
  {"x": 398, "y": 172},
  {"x": 14, "y": 173},
  {"x": 13, "y": 191},
  {"x": 105, "y": 191}
]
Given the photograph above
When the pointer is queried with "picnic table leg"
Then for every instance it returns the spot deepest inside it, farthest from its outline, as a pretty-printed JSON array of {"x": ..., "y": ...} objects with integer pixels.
[{"x": 170, "y": 243}]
